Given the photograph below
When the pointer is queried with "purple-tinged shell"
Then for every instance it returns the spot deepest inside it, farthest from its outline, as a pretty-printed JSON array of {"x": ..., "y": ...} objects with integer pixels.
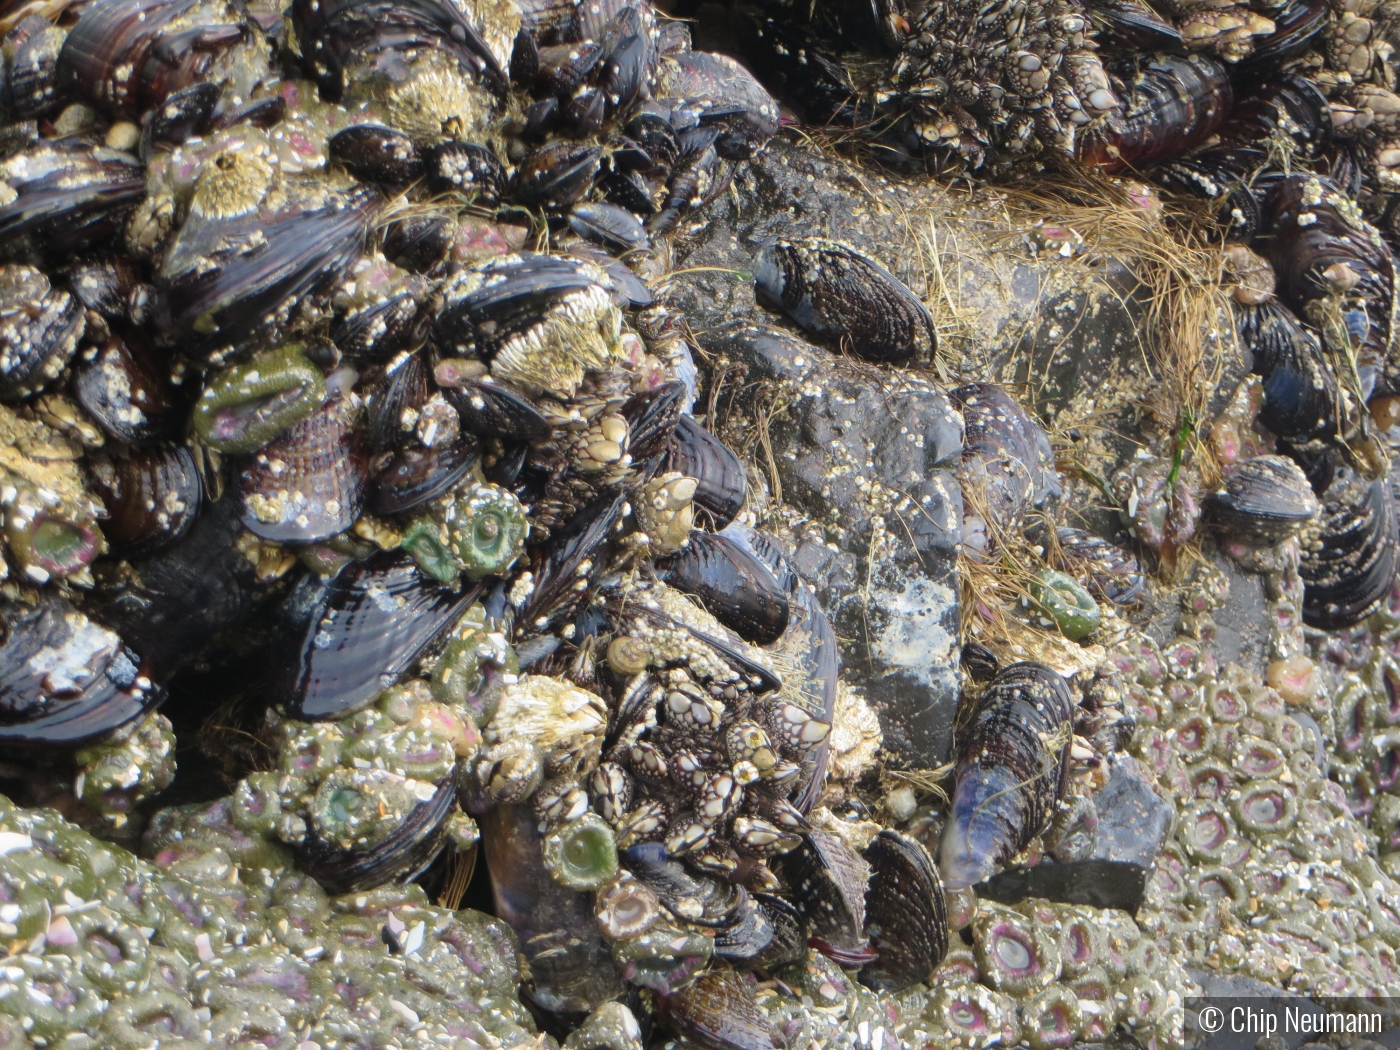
[{"x": 1013, "y": 748}]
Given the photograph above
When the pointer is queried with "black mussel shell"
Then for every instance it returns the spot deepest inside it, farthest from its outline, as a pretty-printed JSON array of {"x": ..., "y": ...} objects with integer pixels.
[
  {"x": 374, "y": 153},
  {"x": 1007, "y": 452},
  {"x": 828, "y": 881},
  {"x": 168, "y": 605},
  {"x": 1349, "y": 557},
  {"x": 724, "y": 95},
  {"x": 1113, "y": 572},
  {"x": 835, "y": 292},
  {"x": 399, "y": 858},
  {"x": 561, "y": 69},
  {"x": 1313, "y": 231},
  {"x": 70, "y": 196},
  {"x": 567, "y": 568},
  {"x": 718, "y": 1011},
  {"x": 105, "y": 287},
  {"x": 152, "y": 496},
  {"x": 693, "y": 897},
  {"x": 377, "y": 332},
  {"x": 629, "y": 292},
  {"x": 731, "y": 584},
  {"x": 723, "y": 484},
  {"x": 335, "y": 32},
  {"x": 127, "y": 56},
  {"x": 404, "y": 387},
  {"x": 416, "y": 476},
  {"x": 979, "y": 661},
  {"x": 1133, "y": 24},
  {"x": 180, "y": 116},
  {"x": 33, "y": 47},
  {"x": 64, "y": 681},
  {"x": 491, "y": 409},
  {"x": 1173, "y": 103},
  {"x": 1008, "y": 777},
  {"x": 466, "y": 167},
  {"x": 1302, "y": 401},
  {"x": 308, "y": 484},
  {"x": 39, "y": 330},
  {"x": 358, "y": 633},
  {"x": 769, "y": 932},
  {"x": 1295, "y": 25},
  {"x": 504, "y": 305},
  {"x": 126, "y": 388},
  {"x": 209, "y": 308},
  {"x": 555, "y": 176},
  {"x": 616, "y": 229},
  {"x": 627, "y": 61},
  {"x": 260, "y": 113},
  {"x": 419, "y": 242},
  {"x": 906, "y": 917},
  {"x": 651, "y": 417},
  {"x": 1265, "y": 500}
]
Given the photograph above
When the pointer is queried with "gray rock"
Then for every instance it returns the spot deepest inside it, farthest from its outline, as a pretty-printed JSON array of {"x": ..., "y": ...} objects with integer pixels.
[
  {"x": 1133, "y": 824},
  {"x": 867, "y": 457}
]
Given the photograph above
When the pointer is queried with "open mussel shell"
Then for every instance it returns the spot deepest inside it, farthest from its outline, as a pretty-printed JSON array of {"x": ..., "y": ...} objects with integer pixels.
[
  {"x": 718, "y": 1011},
  {"x": 733, "y": 585},
  {"x": 357, "y": 634},
  {"x": 1265, "y": 500},
  {"x": 64, "y": 680},
  {"x": 400, "y": 857},
  {"x": 828, "y": 880},
  {"x": 1013, "y": 748},
  {"x": 152, "y": 496},
  {"x": 1349, "y": 556},
  {"x": 836, "y": 293},
  {"x": 722, "y": 483},
  {"x": 905, "y": 913},
  {"x": 308, "y": 484}
]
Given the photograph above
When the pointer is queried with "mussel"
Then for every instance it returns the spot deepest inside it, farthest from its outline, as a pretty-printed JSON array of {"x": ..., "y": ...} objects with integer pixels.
[
  {"x": 64, "y": 680},
  {"x": 1013, "y": 745},
  {"x": 732, "y": 584},
  {"x": 1349, "y": 554},
  {"x": 1265, "y": 500},
  {"x": 355, "y": 635},
  {"x": 837, "y": 293}
]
